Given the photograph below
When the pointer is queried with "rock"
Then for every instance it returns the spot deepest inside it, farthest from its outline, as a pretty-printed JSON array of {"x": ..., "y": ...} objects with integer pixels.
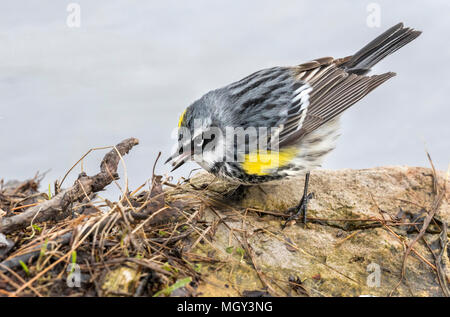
[
  {"x": 333, "y": 255},
  {"x": 120, "y": 281}
]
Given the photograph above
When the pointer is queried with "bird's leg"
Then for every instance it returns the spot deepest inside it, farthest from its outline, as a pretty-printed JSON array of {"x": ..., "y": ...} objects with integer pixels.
[
  {"x": 301, "y": 207},
  {"x": 236, "y": 194}
]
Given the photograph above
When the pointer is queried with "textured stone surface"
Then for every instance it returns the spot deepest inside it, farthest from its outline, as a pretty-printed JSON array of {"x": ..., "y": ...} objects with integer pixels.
[
  {"x": 120, "y": 281},
  {"x": 332, "y": 257}
]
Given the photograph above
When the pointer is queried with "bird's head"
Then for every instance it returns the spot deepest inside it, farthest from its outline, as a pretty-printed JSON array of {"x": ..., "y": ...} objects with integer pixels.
[{"x": 198, "y": 137}]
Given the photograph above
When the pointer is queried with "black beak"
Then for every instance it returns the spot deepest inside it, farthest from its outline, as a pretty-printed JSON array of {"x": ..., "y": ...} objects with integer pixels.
[
  {"x": 169, "y": 159},
  {"x": 178, "y": 159},
  {"x": 177, "y": 166}
]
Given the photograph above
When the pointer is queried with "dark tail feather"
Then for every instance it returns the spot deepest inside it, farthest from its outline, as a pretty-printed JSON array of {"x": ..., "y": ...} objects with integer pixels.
[{"x": 384, "y": 45}]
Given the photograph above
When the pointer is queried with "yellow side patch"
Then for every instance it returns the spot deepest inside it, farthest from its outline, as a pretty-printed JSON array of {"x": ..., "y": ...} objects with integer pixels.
[
  {"x": 180, "y": 121},
  {"x": 262, "y": 163}
]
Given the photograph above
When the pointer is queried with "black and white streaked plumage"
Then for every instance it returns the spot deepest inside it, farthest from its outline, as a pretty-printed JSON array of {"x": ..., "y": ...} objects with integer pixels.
[{"x": 304, "y": 101}]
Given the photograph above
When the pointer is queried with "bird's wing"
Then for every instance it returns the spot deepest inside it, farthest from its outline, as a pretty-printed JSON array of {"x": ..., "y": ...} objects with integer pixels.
[
  {"x": 326, "y": 92},
  {"x": 262, "y": 99},
  {"x": 296, "y": 99}
]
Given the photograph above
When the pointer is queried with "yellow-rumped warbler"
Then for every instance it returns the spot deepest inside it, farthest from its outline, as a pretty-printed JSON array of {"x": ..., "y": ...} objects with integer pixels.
[{"x": 281, "y": 121}]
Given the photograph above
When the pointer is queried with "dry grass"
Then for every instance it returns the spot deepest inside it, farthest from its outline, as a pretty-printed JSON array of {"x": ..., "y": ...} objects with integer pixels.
[{"x": 94, "y": 236}]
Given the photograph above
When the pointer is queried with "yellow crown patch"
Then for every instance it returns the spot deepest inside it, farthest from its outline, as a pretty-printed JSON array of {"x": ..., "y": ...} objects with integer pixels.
[{"x": 180, "y": 121}]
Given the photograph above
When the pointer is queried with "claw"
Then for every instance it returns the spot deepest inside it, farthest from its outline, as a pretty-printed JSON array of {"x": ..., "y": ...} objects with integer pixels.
[{"x": 302, "y": 206}]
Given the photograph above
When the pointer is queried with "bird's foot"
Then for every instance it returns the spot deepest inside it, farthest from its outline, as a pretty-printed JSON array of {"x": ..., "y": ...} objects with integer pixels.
[
  {"x": 302, "y": 206},
  {"x": 237, "y": 194},
  {"x": 299, "y": 210}
]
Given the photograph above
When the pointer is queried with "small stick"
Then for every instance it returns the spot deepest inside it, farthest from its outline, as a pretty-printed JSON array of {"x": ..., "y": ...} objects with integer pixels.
[{"x": 84, "y": 186}]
